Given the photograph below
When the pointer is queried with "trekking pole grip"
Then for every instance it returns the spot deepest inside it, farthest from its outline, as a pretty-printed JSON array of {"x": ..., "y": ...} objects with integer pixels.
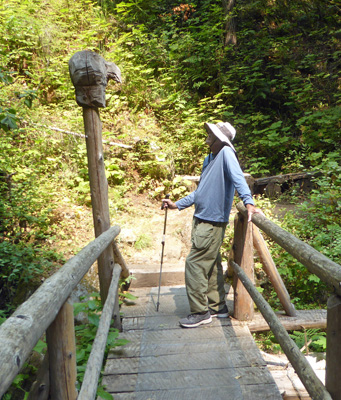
[{"x": 163, "y": 204}]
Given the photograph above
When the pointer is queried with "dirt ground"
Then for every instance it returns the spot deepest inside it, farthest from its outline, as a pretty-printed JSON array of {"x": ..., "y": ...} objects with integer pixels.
[
  {"x": 140, "y": 240},
  {"x": 140, "y": 237}
]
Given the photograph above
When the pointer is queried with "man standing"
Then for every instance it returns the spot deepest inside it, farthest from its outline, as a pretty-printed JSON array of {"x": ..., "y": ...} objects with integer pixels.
[{"x": 221, "y": 176}]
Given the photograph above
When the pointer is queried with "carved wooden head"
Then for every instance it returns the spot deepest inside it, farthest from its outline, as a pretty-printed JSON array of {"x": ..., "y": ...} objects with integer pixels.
[{"x": 90, "y": 74}]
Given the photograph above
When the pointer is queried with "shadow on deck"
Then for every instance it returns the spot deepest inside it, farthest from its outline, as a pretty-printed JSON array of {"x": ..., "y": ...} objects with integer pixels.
[{"x": 164, "y": 361}]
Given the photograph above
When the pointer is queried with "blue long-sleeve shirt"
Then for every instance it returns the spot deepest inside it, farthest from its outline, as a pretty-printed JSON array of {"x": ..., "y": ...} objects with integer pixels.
[{"x": 221, "y": 176}]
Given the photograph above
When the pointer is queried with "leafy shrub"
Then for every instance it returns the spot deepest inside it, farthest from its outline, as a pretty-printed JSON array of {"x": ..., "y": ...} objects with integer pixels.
[
  {"x": 317, "y": 222},
  {"x": 24, "y": 228},
  {"x": 314, "y": 339},
  {"x": 22, "y": 268},
  {"x": 278, "y": 86},
  {"x": 143, "y": 241},
  {"x": 310, "y": 339},
  {"x": 85, "y": 335}
]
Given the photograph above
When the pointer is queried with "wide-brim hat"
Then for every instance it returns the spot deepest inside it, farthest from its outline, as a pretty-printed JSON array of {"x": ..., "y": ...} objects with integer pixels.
[{"x": 223, "y": 131}]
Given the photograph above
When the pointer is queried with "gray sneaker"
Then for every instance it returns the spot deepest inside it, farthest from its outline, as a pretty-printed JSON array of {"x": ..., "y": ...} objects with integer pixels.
[
  {"x": 222, "y": 313},
  {"x": 194, "y": 320}
]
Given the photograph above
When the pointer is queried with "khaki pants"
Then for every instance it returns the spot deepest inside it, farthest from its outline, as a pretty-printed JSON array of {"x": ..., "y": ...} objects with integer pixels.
[{"x": 204, "y": 273}]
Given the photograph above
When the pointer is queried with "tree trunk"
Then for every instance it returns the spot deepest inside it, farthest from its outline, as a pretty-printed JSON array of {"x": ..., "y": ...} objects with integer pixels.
[{"x": 230, "y": 24}]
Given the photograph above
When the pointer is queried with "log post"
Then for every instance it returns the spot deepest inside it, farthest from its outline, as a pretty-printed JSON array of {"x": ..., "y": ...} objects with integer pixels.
[
  {"x": 272, "y": 272},
  {"x": 99, "y": 194},
  {"x": 243, "y": 256},
  {"x": 230, "y": 271},
  {"x": 90, "y": 74},
  {"x": 333, "y": 366},
  {"x": 40, "y": 389},
  {"x": 60, "y": 337}
]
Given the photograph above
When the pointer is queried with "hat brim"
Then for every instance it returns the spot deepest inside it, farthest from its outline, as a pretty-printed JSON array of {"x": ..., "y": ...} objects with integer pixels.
[{"x": 212, "y": 128}]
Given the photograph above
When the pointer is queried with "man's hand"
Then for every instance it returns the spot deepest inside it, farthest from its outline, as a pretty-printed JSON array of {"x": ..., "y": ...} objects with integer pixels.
[
  {"x": 253, "y": 210},
  {"x": 169, "y": 204}
]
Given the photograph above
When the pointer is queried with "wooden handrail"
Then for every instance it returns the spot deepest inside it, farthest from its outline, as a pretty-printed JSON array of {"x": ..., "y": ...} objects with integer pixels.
[
  {"x": 20, "y": 332},
  {"x": 95, "y": 361},
  {"x": 327, "y": 270},
  {"x": 303, "y": 369},
  {"x": 120, "y": 260}
]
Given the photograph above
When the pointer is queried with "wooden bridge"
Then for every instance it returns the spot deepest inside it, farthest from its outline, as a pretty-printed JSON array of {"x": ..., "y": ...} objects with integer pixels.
[
  {"x": 163, "y": 361},
  {"x": 215, "y": 361}
]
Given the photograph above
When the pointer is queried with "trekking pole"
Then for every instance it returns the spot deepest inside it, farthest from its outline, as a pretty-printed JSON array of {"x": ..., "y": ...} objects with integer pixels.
[{"x": 163, "y": 246}]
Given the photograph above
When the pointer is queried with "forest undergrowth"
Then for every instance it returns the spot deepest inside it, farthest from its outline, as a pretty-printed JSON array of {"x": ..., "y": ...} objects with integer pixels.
[{"x": 270, "y": 68}]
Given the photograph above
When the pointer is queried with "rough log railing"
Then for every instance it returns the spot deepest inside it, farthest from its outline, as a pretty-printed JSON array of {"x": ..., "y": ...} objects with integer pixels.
[
  {"x": 49, "y": 310},
  {"x": 241, "y": 262}
]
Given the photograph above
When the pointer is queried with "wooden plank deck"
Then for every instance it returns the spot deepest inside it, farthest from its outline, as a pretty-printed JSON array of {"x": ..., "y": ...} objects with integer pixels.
[{"x": 164, "y": 361}]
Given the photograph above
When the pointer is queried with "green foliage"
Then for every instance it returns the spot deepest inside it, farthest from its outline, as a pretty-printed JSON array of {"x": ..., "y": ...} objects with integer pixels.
[
  {"x": 307, "y": 340},
  {"x": 114, "y": 173},
  {"x": 267, "y": 342},
  {"x": 280, "y": 100},
  {"x": 22, "y": 266},
  {"x": 24, "y": 225},
  {"x": 278, "y": 86},
  {"x": 85, "y": 335},
  {"x": 322, "y": 207},
  {"x": 22, "y": 383},
  {"x": 310, "y": 339},
  {"x": 176, "y": 67},
  {"x": 177, "y": 188},
  {"x": 118, "y": 201},
  {"x": 8, "y": 119},
  {"x": 143, "y": 241},
  {"x": 17, "y": 387}
]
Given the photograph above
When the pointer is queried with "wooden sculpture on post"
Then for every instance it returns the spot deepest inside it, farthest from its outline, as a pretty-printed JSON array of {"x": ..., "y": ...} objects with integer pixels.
[{"x": 90, "y": 74}]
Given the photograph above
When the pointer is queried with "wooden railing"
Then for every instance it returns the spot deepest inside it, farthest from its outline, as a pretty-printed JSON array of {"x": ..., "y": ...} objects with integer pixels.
[
  {"x": 241, "y": 260},
  {"x": 48, "y": 310}
]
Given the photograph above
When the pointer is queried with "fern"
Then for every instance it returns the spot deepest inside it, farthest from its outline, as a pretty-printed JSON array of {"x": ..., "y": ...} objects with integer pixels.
[{"x": 314, "y": 339}]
